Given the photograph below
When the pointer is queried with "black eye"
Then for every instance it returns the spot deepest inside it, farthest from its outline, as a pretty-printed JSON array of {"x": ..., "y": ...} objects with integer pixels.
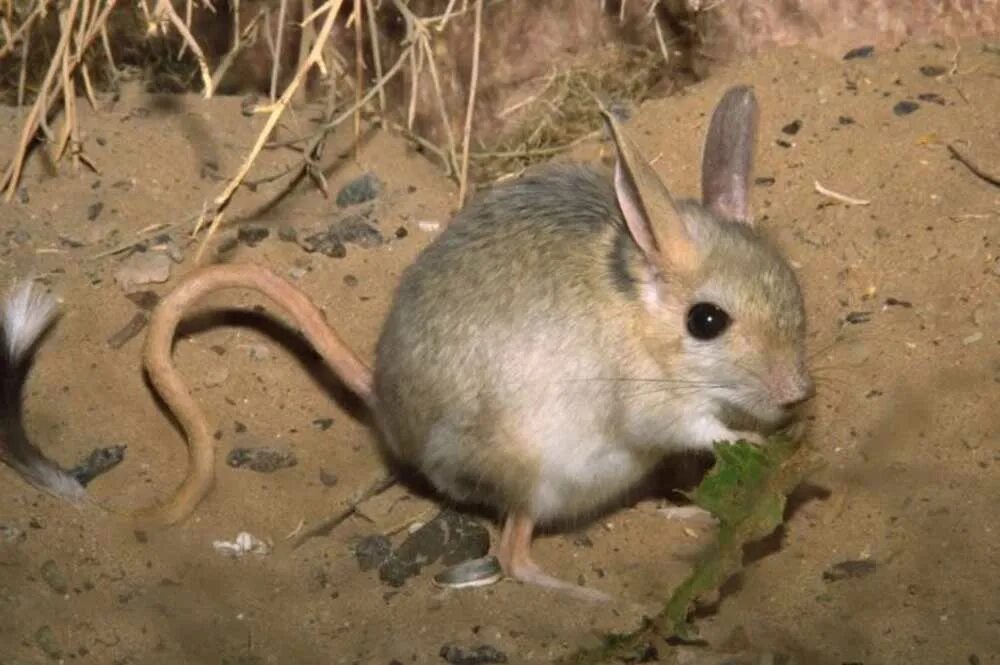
[{"x": 706, "y": 321}]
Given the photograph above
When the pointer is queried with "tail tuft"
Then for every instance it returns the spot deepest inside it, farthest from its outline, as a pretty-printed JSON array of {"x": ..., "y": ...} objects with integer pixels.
[{"x": 26, "y": 315}]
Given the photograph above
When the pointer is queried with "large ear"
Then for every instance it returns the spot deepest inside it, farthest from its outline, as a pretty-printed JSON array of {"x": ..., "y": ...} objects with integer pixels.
[
  {"x": 653, "y": 219},
  {"x": 727, "y": 161}
]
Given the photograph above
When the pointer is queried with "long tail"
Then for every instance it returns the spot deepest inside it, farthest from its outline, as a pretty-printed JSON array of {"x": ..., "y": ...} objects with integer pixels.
[
  {"x": 27, "y": 314},
  {"x": 169, "y": 384}
]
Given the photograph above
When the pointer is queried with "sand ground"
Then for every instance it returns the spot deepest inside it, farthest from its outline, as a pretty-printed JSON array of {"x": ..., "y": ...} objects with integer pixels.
[{"x": 902, "y": 296}]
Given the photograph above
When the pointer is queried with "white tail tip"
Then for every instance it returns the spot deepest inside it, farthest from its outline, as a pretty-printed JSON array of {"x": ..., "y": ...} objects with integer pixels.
[{"x": 27, "y": 313}]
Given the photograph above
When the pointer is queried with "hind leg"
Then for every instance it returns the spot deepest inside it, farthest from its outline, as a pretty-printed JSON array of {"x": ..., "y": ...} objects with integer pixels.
[{"x": 514, "y": 552}]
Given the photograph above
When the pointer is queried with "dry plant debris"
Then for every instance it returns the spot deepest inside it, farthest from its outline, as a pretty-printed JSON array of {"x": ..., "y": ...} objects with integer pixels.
[{"x": 556, "y": 118}]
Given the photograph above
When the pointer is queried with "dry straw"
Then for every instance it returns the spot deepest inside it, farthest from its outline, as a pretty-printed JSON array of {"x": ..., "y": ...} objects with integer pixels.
[{"x": 556, "y": 117}]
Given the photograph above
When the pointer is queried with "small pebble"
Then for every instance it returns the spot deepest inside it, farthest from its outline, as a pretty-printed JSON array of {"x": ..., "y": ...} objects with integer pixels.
[
  {"x": 932, "y": 70},
  {"x": 401, "y": 232},
  {"x": 216, "y": 376},
  {"x": 372, "y": 551},
  {"x": 931, "y": 97},
  {"x": 858, "y": 317},
  {"x": 972, "y": 339},
  {"x": 792, "y": 128},
  {"x": 251, "y": 236},
  {"x": 209, "y": 169},
  {"x": 350, "y": 280},
  {"x": 326, "y": 244},
  {"x": 845, "y": 120},
  {"x": 227, "y": 244},
  {"x": 248, "y": 105},
  {"x": 261, "y": 460},
  {"x": 860, "y": 52},
  {"x": 245, "y": 543},
  {"x": 166, "y": 243},
  {"x": 765, "y": 181},
  {"x": 72, "y": 243},
  {"x": 905, "y": 107},
  {"x": 360, "y": 190},
  {"x": 259, "y": 352},
  {"x": 93, "y": 210},
  {"x": 287, "y": 233},
  {"x": 54, "y": 577},
  {"x": 452, "y": 536},
  {"x": 46, "y": 641},
  {"x": 142, "y": 268},
  {"x": 11, "y": 534},
  {"x": 322, "y": 424},
  {"x": 394, "y": 571},
  {"x": 480, "y": 655},
  {"x": 849, "y": 569},
  {"x": 146, "y": 300},
  {"x": 895, "y": 302},
  {"x": 327, "y": 478},
  {"x": 98, "y": 462},
  {"x": 355, "y": 230}
]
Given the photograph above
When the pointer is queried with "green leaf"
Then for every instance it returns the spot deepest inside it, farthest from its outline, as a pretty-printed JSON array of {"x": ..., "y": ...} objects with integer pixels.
[{"x": 746, "y": 490}]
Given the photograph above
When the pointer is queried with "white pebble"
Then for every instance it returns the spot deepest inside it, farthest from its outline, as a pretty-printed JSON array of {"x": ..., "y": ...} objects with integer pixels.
[{"x": 972, "y": 339}]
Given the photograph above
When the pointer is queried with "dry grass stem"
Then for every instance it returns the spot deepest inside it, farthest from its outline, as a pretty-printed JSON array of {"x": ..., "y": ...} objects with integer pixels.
[
  {"x": 974, "y": 166},
  {"x": 278, "y": 43},
  {"x": 843, "y": 198},
  {"x": 24, "y": 30},
  {"x": 463, "y": 182},
  {"x": 660, "y": 41},
  {"x": 376, "y": 486},
  {"x": 188, "y": 15},
  {"x": 278, "y": 108},
  {"x": 106, "y": 44},
  {"x": 88, "y": 87},
  {"x": 531, "y": 99},
  {"x": 40, "y": 109},
  {"x": 535, "y": 152},
  {"x": 442, "y": 110},
  {"x": 22, "y": 76},
  {"x": 416, "y": 68},
  {"x": 376, "y": 52},
  {"x": 359, "y": 73}
]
